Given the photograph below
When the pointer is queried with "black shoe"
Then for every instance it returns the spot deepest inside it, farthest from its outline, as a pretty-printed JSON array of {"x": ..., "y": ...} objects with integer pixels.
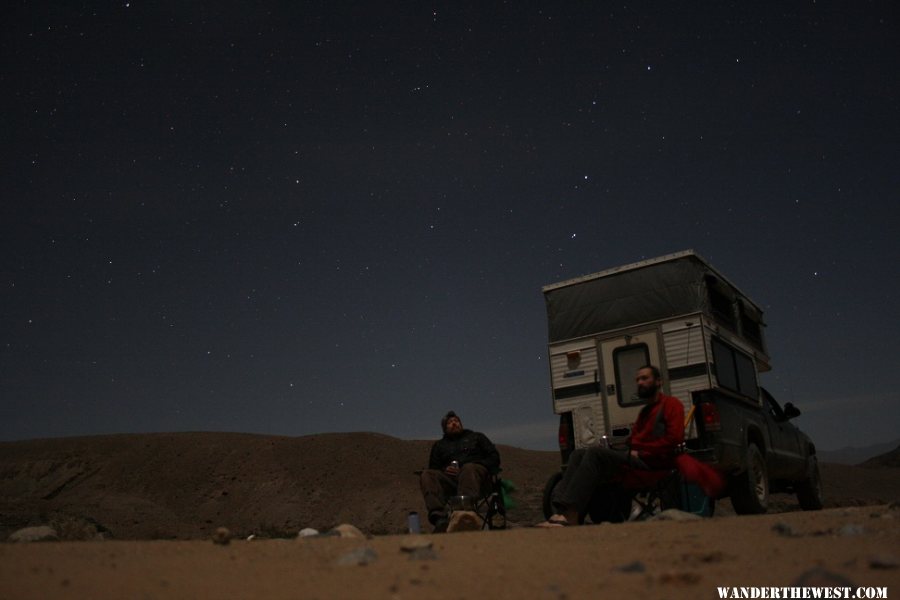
[{"x": 440, "y": 526}]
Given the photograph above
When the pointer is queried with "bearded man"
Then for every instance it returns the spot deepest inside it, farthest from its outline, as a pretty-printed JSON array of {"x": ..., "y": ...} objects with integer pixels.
[{"x": 653, "y": 444}]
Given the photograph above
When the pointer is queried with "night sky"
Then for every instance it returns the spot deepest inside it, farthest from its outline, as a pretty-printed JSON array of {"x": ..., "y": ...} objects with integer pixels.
[{"x": 303, "y": 217}]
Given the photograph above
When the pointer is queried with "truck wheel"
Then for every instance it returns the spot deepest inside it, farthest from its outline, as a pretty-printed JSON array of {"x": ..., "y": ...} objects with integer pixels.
[
  {"x": 809, "y": 491},
  {"x": 548, "y": 493},
  {"x": 750, "y": 489}
]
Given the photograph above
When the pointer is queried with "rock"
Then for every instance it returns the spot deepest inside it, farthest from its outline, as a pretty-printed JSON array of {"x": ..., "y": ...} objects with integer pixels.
[
  {"x": 632, "y": 567},
  {"x": 819, "y": 577},
  {"x": 782, "y": 528},
  {"x": 851, "y": 529},
  {"x": 41, "y": 533},
  {"x": 883, "y": 561},
  {"x": 680, "y": 578},
  {"x": 360, "y": 556},
  {"x": 345, "y": 530},
  {"x": 464, "y": 520},
  {"x": 414, "y": 542},
  {"x": 221, "y": 536},
  {"x": 418, "y": 547},
  {"x": 673, "y": 514},
  {"x": 423, "y": 554},
  {"x": 308, "y": 532}
]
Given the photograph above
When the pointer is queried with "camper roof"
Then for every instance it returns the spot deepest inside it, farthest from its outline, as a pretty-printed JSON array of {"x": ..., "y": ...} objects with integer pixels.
[
  {"x": 648, "y": 290},
  {"x": 646, "y": 263}
]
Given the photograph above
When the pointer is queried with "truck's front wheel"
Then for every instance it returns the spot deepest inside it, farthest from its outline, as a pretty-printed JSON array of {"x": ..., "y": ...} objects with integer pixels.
[
  {"x": 750, "y": 489},
  {"x": 809, "y": 491}
]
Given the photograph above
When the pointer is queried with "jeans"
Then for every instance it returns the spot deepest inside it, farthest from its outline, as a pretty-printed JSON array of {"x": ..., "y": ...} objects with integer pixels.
[
  {"x": 437, "y": 487},
  {"x": 588, "y": 469}
]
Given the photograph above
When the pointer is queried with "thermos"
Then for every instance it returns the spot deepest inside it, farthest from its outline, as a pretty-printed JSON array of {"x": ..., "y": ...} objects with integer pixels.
[{"x": 412, "y": 522}]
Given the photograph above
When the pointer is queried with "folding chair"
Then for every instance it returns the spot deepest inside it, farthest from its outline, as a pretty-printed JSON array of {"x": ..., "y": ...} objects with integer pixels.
[{"x": 491, "y": 508}]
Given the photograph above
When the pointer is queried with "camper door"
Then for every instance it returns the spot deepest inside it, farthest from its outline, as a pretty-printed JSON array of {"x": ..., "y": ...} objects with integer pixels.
[{"x": 621, "y": 358}]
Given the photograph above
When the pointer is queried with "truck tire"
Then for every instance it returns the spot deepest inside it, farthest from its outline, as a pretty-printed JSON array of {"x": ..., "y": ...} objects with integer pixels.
[
  {"x": 809, "y": 491},
  {"x": 548, "y": 493},
  {"x": 750, "y": 489}
]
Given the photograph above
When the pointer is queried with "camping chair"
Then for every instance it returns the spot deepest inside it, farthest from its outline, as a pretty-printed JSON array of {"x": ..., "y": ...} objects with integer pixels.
[
  {"x": 490, "y": 507},
  {"x": 653, "y": 492}
]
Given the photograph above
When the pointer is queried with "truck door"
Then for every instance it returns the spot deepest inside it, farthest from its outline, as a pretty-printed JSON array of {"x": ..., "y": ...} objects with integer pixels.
[
  {"x": 621, "y": 357},
  {"x": 786, "y": 458}
]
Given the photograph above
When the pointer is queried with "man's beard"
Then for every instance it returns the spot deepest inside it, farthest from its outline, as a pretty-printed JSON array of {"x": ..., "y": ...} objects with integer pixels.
[{"x": 647, "y": 392}]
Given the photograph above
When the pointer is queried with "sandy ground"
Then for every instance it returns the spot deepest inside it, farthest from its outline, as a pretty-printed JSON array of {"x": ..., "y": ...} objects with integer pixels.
[
  {"x": 157, "y": 498},
  {"x": 854, "y": 546}
]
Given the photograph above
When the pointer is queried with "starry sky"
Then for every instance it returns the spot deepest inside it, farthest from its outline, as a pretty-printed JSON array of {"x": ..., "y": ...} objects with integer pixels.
[{"x": 303, "y": 217}]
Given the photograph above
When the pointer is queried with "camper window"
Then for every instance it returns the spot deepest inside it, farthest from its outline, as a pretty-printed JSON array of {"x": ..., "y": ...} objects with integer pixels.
[
  {"x": 722, "y": 308},
  {"x": 627, "y": 360},
  {"x": 750, "y": 327},
  {"x": 734, "y": 369}
]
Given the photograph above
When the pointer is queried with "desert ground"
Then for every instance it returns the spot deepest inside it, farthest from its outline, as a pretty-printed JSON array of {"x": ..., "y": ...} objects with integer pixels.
[{"x": 136, "y": 514}]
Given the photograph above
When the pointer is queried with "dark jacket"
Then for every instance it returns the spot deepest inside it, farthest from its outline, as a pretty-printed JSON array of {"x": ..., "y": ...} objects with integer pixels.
[{"x": 467, "y": 447}]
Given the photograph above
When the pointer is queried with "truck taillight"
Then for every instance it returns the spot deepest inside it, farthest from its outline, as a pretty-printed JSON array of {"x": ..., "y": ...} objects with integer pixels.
[
  {"x": 710, "y": 415},
  {"x": 566, "y": 436}
]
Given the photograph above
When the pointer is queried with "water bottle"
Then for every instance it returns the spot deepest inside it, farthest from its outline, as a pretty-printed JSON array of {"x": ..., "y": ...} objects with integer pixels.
[{"x": 412, "y": 522}]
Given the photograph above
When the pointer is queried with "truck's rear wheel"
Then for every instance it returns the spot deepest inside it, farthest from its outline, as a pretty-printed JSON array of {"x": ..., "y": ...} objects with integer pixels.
[
  {"x": 750, "y": 489},
  {"x": 809, "y": 491}
]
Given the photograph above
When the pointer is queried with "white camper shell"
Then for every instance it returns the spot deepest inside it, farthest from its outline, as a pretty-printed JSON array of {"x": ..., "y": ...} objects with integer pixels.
[{"x": 674, "y": 311}]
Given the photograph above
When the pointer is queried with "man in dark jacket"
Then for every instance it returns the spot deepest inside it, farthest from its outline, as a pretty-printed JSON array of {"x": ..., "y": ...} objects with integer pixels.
[{"x": 461, "y": 464}]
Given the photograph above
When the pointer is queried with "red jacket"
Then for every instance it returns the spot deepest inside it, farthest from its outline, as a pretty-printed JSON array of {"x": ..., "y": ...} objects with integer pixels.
[{"x": 657, "y": 436}]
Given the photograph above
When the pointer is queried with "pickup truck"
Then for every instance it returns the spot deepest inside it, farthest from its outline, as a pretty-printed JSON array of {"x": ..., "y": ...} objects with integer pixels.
[{"x": 759, "y": 447}]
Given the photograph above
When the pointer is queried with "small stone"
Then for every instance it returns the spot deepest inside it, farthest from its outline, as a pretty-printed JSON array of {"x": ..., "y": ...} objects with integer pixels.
[
  {"x": 423, "y": 554},
  {"x": 414, "y": 542},
  {"x": 41, "y": 533},
  {"x": 360, "y": 556},
  {"x": 851, "y": 530},
  {"x": 632, "y": 567},
  {"x": 221, "y": 536},
  {"x": 782, "y": 528},
  {"x": 819, "y": 577},
  {"x": 883, "y": 561},
  {"x": 345, "y": 530},
  {"x": 673, "y": 514},
  {"x": 308, "y": 532},
  {"x": 680, "y": 578}
]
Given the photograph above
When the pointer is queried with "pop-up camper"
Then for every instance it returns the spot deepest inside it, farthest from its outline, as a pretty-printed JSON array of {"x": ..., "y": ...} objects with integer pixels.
[{"x": 707, "y": 337}]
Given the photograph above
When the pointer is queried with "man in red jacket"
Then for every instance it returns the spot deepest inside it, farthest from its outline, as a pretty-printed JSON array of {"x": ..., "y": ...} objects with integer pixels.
[{"x": 652, "y": 445}]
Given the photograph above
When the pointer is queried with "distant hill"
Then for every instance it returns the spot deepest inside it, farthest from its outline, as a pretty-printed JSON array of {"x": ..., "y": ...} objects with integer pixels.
[
  {"x": 854, "y": 456},
  {"x": 888, "y": 459},
  {"x": 185, "y": 485}
]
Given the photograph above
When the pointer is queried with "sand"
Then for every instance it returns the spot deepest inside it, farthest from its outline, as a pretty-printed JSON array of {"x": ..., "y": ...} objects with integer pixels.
[
  {"x": 691, "y": 559},
  {"x": 158, "y": 498}
]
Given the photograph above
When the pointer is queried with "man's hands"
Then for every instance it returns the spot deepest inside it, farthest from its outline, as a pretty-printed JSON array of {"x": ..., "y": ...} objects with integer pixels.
[{"x": 452, "y": 469}]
